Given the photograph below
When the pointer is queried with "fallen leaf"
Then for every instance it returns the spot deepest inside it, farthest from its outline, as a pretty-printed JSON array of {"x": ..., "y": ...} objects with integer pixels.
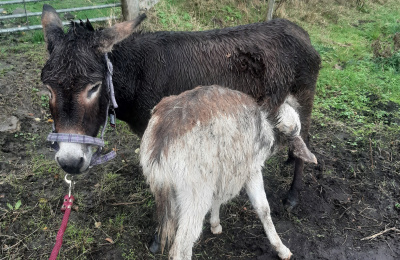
[
  {"x": 338, "y": 67},
  {"x": 137, "y": 150},
  {"x": 50, "y": 120},
  {"x": 45, "y": 228},
  {"x": 30, "y": 114},
  {"x": 97, "y": 224},
  {"x": 109, "y": 240},
  {"x": 75, "y": 208},
  {"x": 37, "y": 119}
]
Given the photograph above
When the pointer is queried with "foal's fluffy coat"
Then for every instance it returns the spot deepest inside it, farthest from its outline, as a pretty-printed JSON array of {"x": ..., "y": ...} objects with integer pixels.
[{"x": 199, "y": 150}]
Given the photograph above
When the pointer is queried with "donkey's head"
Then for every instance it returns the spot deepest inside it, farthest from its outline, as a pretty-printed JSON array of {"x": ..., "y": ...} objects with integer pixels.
[{"x": 75, "y": 75}]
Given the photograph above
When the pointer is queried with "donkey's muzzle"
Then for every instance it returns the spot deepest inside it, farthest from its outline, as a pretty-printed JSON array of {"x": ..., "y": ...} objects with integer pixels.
[
  {"x": 71, "y": 166},
  {"x": 74, "y": 158}
]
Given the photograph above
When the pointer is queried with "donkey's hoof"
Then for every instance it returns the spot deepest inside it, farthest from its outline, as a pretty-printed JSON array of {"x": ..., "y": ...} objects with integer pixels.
[
  {"x": 155, "y": 245},
  {"x": 290, "y": 202},
  {"x": 216, "y": 230}
]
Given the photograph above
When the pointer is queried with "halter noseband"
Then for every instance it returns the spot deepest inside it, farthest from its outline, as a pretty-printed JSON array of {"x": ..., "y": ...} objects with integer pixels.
[{"x": 97, "y": 158}]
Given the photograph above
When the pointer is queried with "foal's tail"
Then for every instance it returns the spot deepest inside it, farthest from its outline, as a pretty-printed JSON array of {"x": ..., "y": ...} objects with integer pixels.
[{"x": 166, "y": 212}]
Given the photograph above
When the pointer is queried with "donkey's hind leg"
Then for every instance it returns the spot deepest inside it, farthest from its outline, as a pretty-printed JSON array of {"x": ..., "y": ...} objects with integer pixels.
[
  {"x": 258, "y": 198},
  {"x": 193, "y": 207},
  {"x": 216, "y": 227}
]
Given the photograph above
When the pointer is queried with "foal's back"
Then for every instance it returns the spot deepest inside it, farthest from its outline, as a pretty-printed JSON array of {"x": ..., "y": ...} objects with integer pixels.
[{"x": 211, "y": 136}]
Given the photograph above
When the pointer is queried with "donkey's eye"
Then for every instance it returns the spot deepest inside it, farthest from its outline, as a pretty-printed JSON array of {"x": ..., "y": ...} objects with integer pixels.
[{"x": 93, "y": 90}]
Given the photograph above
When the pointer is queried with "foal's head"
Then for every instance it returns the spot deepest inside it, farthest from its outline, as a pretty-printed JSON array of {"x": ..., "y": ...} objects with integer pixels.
[{"x": 75, "y": 75}]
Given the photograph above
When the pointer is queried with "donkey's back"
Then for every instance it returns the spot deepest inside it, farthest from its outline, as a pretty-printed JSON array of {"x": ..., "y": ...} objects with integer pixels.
[{"x": 267, "y": 61}]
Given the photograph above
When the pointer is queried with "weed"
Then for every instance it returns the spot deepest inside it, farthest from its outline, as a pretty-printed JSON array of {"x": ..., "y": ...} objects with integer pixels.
[
  {"x": 26, "y": 136},
  {"x": 45, "y": 101},
  {"x": 16, "y": 206},
  {"x": 117, "y": 224},
  {"x": 131, "y": 255},
  {"x": 79, "y": 238},
  {"x": 42, "y": 166},
  {"x": 37, "y": 37},
  {"x": 391, "y": 63}
]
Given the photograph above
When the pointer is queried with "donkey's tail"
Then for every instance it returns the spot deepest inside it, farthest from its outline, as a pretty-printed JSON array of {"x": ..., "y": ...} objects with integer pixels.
[{"x": 166, "y": 213}]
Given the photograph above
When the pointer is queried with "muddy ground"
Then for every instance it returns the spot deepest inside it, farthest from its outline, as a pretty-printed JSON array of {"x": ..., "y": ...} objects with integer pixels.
[{"x": 352, "y": 194}]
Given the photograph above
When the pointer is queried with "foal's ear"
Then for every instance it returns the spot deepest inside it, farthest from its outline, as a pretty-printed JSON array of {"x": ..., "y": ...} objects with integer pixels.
[
  {"x": 117, "y": 33},
  {"x": 52, "y": 26}
]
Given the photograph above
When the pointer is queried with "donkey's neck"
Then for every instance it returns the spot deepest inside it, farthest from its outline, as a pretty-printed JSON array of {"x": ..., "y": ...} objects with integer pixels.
[{"x": 133, "y": 108}]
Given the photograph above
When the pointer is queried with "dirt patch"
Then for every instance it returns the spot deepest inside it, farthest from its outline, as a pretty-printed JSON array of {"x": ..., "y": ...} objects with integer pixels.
[{"x": 351, "y": 194}]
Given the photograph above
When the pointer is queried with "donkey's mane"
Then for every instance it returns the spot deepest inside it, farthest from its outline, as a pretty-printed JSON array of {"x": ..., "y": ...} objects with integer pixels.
[{"x": 81, "y": 25}]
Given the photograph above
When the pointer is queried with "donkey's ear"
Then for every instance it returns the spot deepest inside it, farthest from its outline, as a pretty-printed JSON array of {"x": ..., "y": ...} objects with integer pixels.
[
  {"x": 117, "y": 33},
  {"x": 52, "y": 27}
]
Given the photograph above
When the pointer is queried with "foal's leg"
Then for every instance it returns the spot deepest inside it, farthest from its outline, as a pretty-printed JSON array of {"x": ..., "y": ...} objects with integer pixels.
[
  {"x": 193, "y": 207},
  {"x": 258, "y": 198},
  {"x": 216, "y": 227}
]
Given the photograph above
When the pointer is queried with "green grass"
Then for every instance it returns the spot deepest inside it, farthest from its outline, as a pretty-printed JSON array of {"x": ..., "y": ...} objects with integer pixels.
[{"x": 354, "y": 85}]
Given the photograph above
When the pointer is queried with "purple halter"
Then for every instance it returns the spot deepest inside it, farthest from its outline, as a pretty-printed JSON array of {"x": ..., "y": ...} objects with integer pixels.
[{"x": 97, "y": 158}]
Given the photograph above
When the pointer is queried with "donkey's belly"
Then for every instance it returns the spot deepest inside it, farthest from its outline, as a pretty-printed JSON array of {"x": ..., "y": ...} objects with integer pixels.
[{"x": 228, "y": 188}]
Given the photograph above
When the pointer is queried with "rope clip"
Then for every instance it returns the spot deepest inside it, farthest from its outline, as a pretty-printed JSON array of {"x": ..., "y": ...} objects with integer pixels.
[{"x": 70, "y": 183}]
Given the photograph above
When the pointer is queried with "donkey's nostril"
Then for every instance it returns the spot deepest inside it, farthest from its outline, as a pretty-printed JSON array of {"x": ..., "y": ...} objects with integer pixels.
[{"x": 80, "y": 164}]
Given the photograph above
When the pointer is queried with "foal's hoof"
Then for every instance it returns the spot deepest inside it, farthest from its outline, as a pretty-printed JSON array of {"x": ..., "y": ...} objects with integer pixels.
[
  {"x": 155, "y": 245},
  {"x": 291, "y": 257},
  {"x": 286, "y": 255},
  {"x": 216, "y": 230}
]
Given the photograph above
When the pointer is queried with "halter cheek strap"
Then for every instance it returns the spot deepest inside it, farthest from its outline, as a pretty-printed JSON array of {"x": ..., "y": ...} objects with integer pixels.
[{"x": 97, "y": 158}]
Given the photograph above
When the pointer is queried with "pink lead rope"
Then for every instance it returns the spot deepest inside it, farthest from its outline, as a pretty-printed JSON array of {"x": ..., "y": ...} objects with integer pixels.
[{"x": 66, "y": 208}]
